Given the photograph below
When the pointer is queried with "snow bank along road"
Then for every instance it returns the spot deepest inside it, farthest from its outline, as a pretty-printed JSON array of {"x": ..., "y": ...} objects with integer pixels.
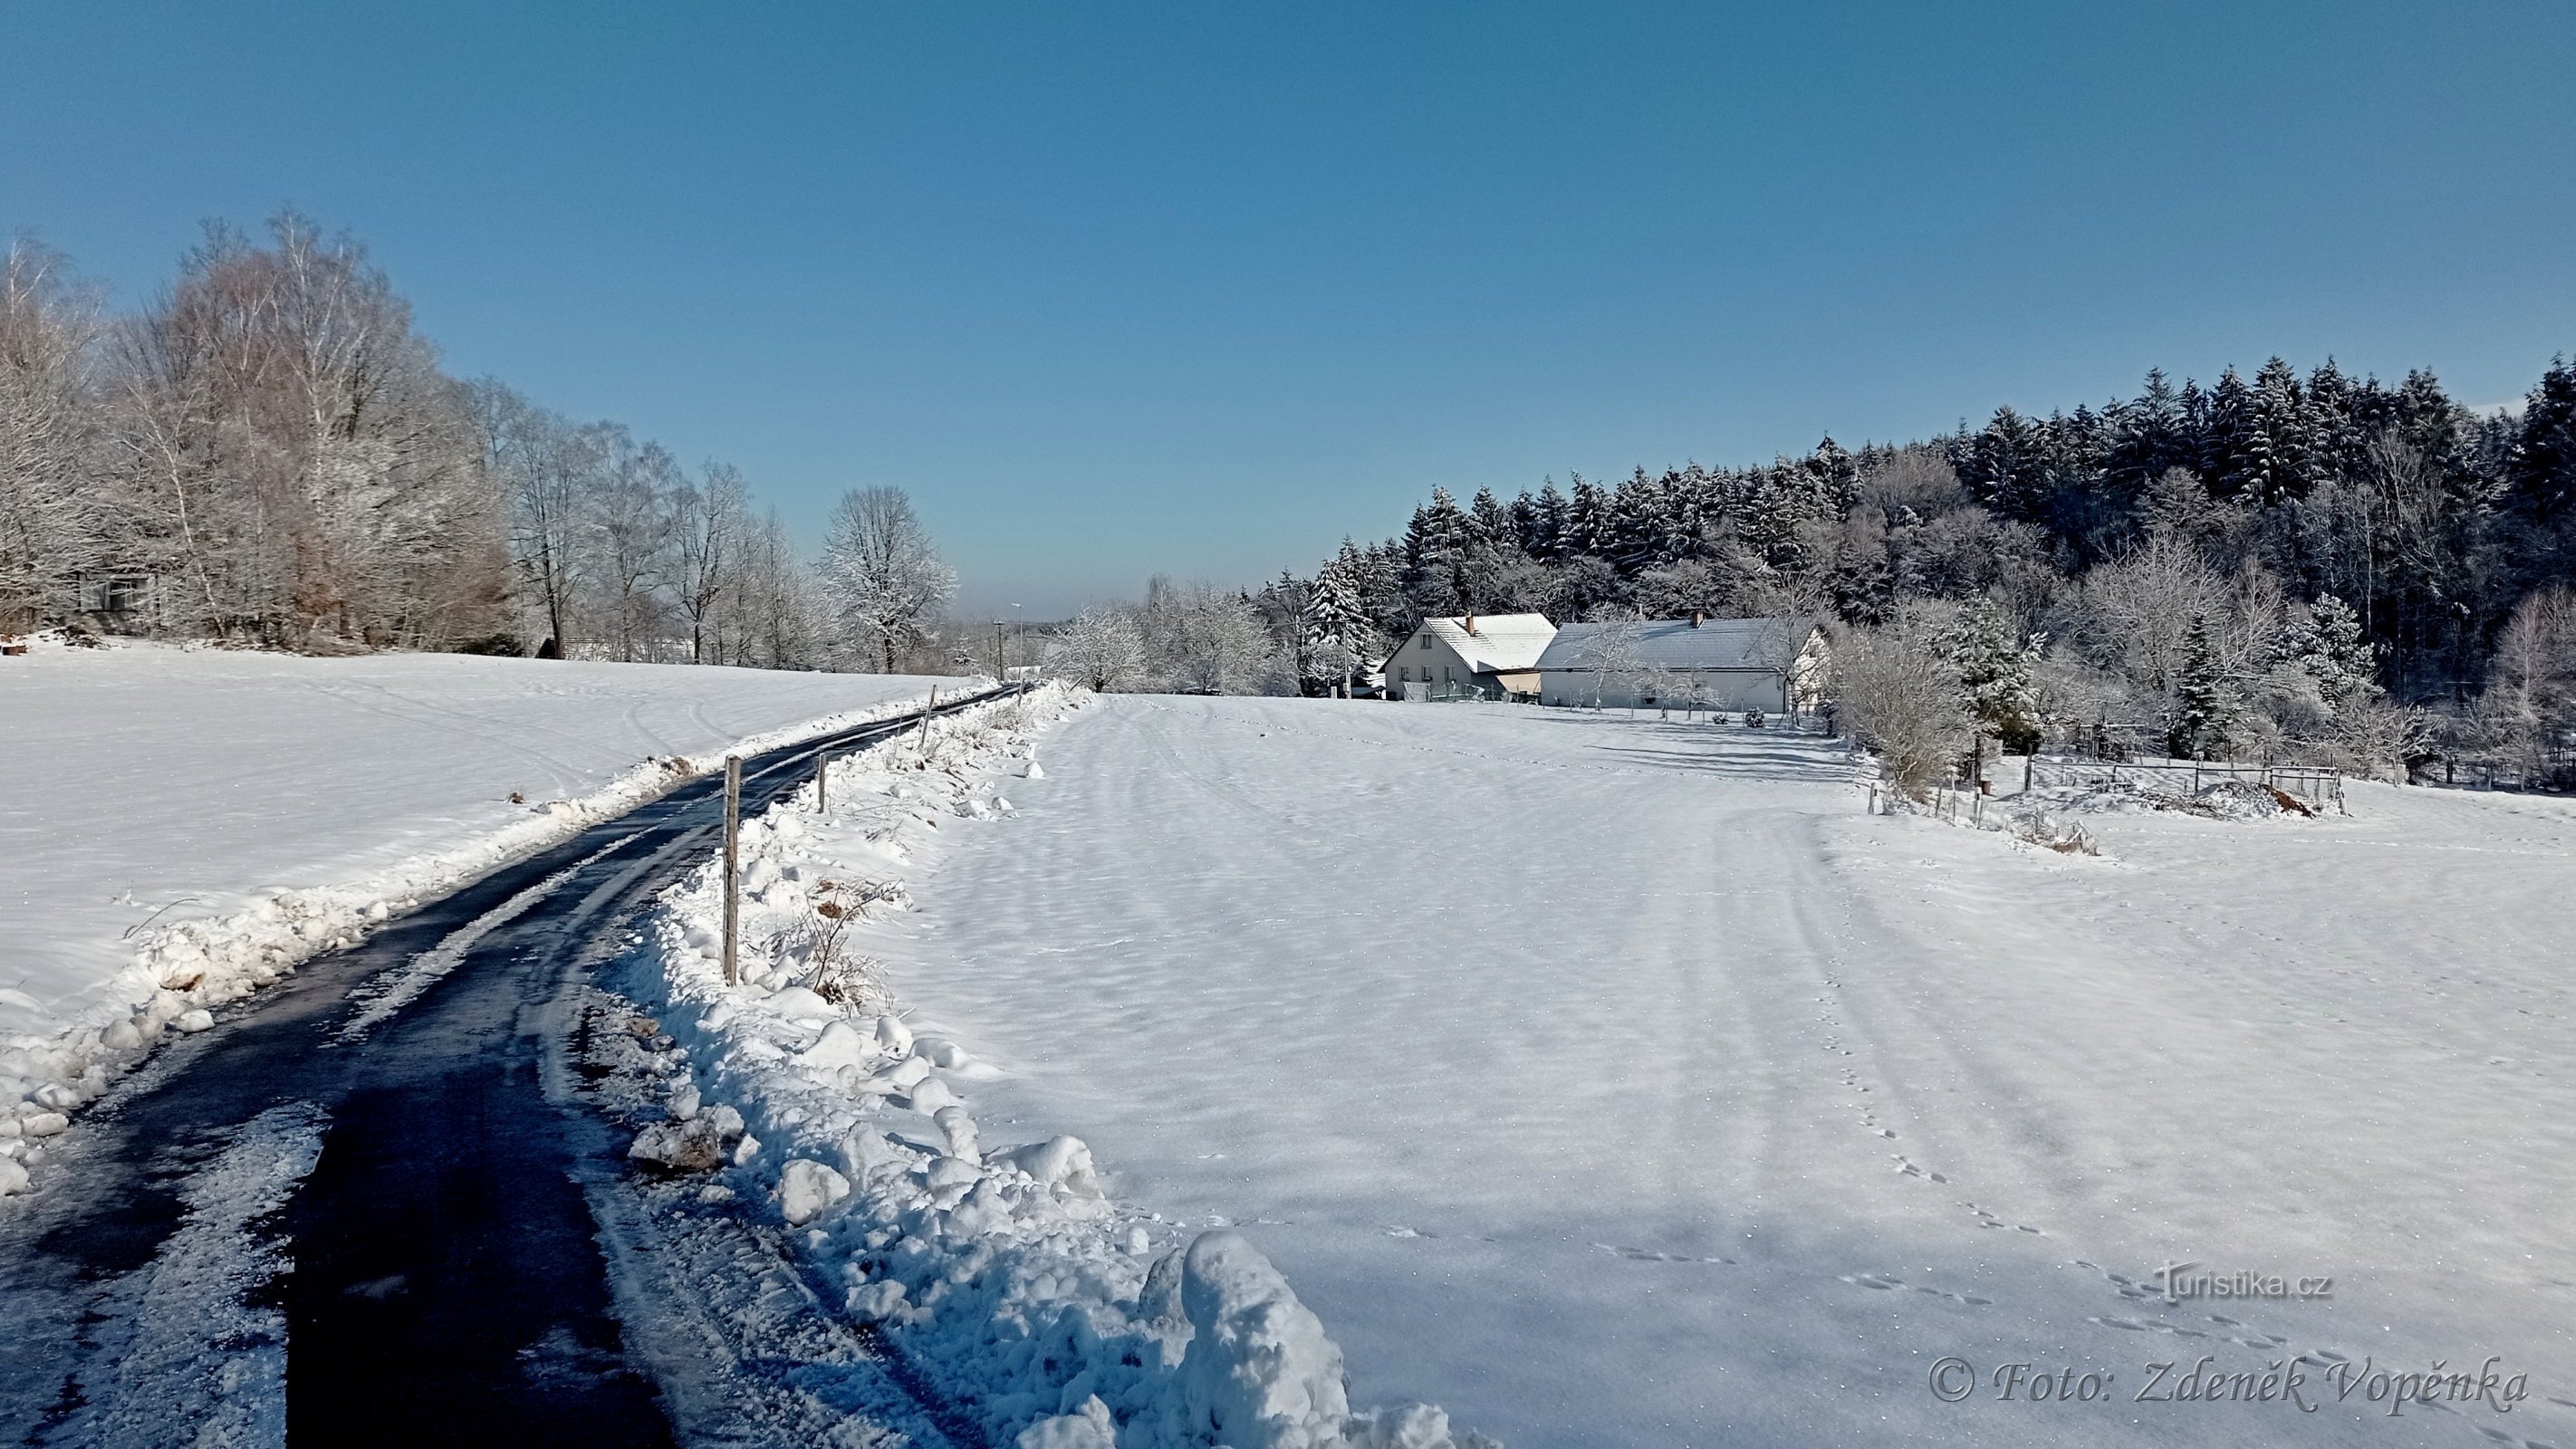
[
  {"x": 402, "y": 1122},
  {"x": 1622, "y": 1082}
]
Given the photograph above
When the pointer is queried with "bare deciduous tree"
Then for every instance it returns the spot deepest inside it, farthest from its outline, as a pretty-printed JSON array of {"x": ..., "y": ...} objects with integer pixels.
[
  {"x": 883, "y": 572},
  {"x": 1102, "y": 648},
  {"x": 706, "y": 527},
  {"x": 1898, "y": 694},
  {"x": 54, "y": 527},
  {"x": 1204, "y": 639}
]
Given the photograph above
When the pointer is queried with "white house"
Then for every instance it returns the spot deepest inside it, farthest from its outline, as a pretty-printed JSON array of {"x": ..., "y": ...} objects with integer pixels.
[
  {"x": 1470, "y": 657},
  {"x": 1773, "y": 665}
]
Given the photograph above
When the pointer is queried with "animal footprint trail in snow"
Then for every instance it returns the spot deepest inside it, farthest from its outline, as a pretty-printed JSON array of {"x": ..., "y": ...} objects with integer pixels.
[{"x": 1649, "y": 1255}]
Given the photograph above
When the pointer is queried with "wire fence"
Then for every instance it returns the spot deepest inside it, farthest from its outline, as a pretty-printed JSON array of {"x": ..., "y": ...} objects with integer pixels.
[{"x": 2314, "y": 784}]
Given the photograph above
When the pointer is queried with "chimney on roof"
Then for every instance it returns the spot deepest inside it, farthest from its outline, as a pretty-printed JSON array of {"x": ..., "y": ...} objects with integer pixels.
[
  {"x": 1471, "y": 623},
  {"x": 1696, "y": 616}
]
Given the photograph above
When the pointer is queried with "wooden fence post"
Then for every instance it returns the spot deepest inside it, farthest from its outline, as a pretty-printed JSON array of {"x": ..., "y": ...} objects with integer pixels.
[
  {"x": 732, "y": 867},
  {"x": 822, "y": 779},
  {"x": 926, "y": 712}
]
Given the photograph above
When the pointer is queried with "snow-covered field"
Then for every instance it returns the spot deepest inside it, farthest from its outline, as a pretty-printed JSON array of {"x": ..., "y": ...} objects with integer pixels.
[
  {"x": 1602, "y": 1080},
  {"x": 210, "y": 817},
  {"x": 1617, "y": 1081}
]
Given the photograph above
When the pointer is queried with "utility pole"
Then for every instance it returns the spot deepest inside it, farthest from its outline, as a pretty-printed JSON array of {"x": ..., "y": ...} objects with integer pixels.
[{"x": 732, "y": 867}]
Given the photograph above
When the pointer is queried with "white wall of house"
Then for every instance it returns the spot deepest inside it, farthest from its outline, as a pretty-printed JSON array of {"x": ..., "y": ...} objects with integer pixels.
[
  {"x": 1729, "y": 690},
  {"x": 1732, "y": 689},
  {"x": 1427, "y": 663}
]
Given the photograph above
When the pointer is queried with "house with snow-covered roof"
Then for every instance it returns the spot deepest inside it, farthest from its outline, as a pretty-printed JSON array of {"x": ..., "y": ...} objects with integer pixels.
[
  {"x": 1471, "y": 656},
  {"x": 1773, "y": 665}
]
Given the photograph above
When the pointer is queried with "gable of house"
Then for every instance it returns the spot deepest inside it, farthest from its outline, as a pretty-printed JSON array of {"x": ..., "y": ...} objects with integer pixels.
[{"x": 1492, "y": 643}]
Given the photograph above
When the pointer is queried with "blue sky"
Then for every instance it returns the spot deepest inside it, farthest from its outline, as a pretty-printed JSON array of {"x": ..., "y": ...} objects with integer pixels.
[{"x": 1120, "y": 289}]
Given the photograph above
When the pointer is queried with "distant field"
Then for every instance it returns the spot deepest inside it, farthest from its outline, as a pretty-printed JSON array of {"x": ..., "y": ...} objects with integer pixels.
[{"x": 193, "y": 784}]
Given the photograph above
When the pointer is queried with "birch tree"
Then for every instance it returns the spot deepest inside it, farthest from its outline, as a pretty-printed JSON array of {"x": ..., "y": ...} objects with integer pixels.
[{"x": 54, "y": 526}]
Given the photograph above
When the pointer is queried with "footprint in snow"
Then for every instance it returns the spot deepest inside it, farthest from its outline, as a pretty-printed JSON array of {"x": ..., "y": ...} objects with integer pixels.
[{"x": 1649, "y": 1255}]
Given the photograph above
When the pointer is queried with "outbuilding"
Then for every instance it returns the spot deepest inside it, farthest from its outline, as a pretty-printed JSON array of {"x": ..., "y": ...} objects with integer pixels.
[
  {"x": 1470, "y": 657},
  {"x": 1773, "y": 665}
]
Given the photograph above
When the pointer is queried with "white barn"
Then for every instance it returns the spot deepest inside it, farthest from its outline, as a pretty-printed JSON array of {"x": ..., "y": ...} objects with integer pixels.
[
  {"x": 1470, "y": 657},
  {"x": 1773, "y": 665}
]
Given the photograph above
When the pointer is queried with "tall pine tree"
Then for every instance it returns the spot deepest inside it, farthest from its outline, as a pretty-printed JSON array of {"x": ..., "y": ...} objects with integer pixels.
[{"x": 2208, "y": 711}]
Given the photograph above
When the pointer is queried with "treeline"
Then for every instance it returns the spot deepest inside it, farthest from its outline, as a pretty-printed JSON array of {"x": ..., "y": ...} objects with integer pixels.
[
  {"x": 2239, "y": 525},
  {"x": 268, "y": 453}
]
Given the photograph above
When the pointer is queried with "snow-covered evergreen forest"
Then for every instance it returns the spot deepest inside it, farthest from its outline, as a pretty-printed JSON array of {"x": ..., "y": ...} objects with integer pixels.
[
  {"x": 2324, "y": 566},
  {"x": 268, "y": 453}
]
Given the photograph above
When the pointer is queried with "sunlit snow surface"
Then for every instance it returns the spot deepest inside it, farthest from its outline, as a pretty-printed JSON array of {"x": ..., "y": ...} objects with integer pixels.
[
  {"x": 1621, "y": 1081},
  {"x": 198, "y": 783}
]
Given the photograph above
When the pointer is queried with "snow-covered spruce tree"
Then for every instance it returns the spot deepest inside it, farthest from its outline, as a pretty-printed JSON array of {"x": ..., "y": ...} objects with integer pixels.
[
  {"x": 883, "y": 573},
  {"x": 2329, "y": 647},
  {"x": 2207, "y": 712},
  {"x": 1335, "y": 631},
  {"x": 1995, "y": 675}
]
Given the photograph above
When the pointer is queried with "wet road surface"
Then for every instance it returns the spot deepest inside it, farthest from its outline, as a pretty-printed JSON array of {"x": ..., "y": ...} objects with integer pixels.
[{"x": 368, "y": 1206}]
